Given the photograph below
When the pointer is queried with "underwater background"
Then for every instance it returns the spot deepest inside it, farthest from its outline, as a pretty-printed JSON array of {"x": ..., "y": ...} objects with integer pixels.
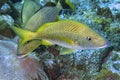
[{"x": 45, "y": 63}]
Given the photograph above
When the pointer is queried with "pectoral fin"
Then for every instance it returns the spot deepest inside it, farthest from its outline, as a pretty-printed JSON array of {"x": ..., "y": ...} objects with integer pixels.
[{"x": 65, "y": 51}]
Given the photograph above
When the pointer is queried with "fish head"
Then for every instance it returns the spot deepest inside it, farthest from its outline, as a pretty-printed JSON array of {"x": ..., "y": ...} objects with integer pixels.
[{"x": 91, "y": 40}]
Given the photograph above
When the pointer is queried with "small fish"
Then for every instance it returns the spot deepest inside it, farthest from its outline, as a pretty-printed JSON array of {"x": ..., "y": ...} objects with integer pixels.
[
  {"x": 66, "y": 33},
  {"x": 29, "y": 8},
  {"x": 44, "y": 15}
]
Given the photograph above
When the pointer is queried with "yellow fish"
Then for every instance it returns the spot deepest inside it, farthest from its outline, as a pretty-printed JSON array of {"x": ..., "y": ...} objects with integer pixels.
[{"x": 66, "y": 33}]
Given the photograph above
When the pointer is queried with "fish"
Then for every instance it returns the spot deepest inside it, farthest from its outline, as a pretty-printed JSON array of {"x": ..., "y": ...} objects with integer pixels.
[
  {"x": 65, "y": 33},
  {"x": 29, "y": 6},
  {"x": 44, "y": 15}
]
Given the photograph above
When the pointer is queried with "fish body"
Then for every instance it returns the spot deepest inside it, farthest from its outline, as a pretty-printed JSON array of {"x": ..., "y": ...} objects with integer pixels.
[
  {"x": 65, "y": 33},
  {"x": 71, "y": 34}
]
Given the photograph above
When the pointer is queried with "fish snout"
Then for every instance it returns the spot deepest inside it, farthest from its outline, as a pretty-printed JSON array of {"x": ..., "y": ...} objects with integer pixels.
[{"x": 107, "y": 43}]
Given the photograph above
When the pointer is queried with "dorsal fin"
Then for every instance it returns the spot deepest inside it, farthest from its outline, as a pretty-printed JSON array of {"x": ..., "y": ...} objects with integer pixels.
[{"x": 44, "y": 26}]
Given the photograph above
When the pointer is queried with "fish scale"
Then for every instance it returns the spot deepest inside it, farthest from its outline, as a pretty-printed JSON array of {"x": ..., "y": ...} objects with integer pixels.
[{"x": 63, "y": 26}]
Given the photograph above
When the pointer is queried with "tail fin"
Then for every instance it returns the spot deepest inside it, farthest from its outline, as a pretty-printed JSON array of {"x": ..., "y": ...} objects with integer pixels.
[{"x": 25, "y": 35}]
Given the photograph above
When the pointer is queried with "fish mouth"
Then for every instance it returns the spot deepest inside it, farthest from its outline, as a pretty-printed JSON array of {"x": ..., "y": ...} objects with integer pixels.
[{"x": 105, "y": 45}]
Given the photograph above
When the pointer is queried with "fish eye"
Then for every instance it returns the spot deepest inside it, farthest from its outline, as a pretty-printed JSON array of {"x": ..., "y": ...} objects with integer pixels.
[{"x": 89, "y": 38}]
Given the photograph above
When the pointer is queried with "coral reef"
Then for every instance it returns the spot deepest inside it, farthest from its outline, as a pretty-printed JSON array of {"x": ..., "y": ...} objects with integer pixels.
[
  {"x": 13, "y": 68},
  {"x": 101, "y": 64},
  {"x": 114, "y": 62},
  {"x": 107, "y": 75}
]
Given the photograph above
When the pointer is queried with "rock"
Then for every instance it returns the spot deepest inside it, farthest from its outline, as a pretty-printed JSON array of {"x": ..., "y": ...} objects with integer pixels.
[
  {"x": 113, "y": 62},
  {"x": 5, "y": 9},
  {"x": 6, "y": 22},
  {"x": 106, "y": 74},
  {"x": 13, "y": 68}
]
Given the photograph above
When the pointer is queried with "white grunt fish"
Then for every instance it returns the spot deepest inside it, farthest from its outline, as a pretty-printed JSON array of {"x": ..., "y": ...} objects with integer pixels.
[{"x": 69, "y": 34}]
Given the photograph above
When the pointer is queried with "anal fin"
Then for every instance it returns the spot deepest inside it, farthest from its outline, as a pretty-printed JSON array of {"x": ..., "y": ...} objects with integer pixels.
[{"x": 65, "y": 51}]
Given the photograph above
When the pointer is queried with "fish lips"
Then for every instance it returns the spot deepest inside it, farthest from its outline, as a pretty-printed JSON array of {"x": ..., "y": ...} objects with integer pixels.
[{"x": 107, "y": 44}]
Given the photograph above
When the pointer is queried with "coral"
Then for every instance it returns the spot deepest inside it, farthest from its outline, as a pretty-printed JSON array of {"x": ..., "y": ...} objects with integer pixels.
[
  {"x": 5, "y": 9},
  {"x": 106, "y": 74},
  {"x": 2, "y": 2},
  {"x": 6, "y": 21},
  {"x": 113, "y": 62},
  {"x": 113, "y": 32},
  {"x": 13, "y": 68},
  {"x": 102, "y": 64}
]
